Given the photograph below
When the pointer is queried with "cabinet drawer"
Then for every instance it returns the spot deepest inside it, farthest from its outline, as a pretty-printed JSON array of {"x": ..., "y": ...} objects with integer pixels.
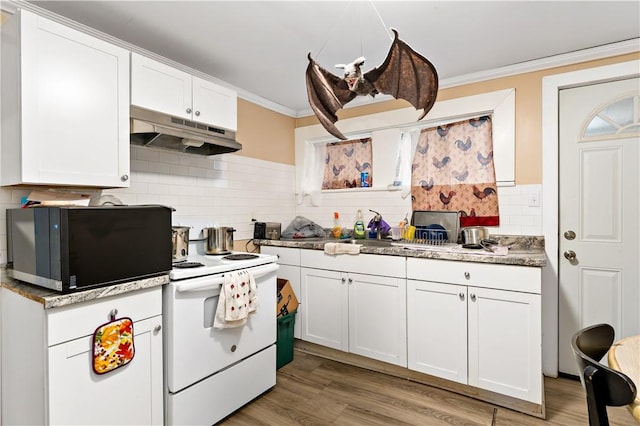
[
  {"x": 371, "y": 264},
  {"x": 503, "y": 277},
  {"x": 286, "y": 255},
  {"x": 70, "y": 322}
]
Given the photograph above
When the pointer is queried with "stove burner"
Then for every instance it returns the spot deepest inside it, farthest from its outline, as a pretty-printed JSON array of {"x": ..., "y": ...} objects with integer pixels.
[
  {"x": 218, "y": 254},
  {"x": 472, "y": 246},
  {"x": 187, "y": 265},
  {"x": 241, "y": 256}
]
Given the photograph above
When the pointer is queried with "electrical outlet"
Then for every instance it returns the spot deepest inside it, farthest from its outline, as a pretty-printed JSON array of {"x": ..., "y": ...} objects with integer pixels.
[{"x": 534, "y": 199}]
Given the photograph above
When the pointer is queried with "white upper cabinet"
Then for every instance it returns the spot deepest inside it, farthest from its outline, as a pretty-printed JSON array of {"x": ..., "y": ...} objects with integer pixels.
[
  {"x": 160, "y": 87},
  {"x": 65, "y": 106}
]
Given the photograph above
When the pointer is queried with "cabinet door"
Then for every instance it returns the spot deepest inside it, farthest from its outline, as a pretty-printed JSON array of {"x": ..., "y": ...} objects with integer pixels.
[
  {"x": 437, "y": 329},
  {"x": 325, "y": 314},
  {"x": 377, "y": 318},
  {"x": 75, "y": 107},
  {"x": 159, "y": 87},
  {"x": 214, "y": 104},
  {"x": 129, "y": 395},
  {"x": 505, "y": 343}
]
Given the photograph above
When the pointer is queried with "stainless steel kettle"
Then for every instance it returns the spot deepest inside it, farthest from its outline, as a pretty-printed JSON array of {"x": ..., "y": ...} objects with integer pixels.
[{"x": 218, "y": 239}]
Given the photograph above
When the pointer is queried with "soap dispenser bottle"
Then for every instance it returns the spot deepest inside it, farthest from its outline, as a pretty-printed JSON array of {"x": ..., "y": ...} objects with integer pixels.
[{"x": 358, "y": 228}]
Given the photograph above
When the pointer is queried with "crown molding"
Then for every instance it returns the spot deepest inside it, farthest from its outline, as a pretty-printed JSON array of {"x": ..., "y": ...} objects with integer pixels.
[{"x": 584, "y": 55}]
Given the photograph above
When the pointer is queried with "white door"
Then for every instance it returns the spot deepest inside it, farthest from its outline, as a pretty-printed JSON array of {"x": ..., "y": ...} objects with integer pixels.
[
  {"x": 599, "y": 155},
  {"x": 130, "y": 395},
  {"x": 215, "y": 104},
  {"x": 437, "y": 347},
  {"x": 148, "y": 76},
  {"x": 325, "y": 298},
  {"x": 496, "y": 317},
  {"x": 75, "y": 105},
  {"x": 378, "y": 317}
]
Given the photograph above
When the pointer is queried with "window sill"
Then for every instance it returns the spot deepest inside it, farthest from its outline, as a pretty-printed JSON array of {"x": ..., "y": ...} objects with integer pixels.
[{"x": 389, "y": 188}]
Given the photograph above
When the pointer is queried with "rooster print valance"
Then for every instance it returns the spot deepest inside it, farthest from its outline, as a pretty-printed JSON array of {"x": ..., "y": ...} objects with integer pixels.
[
  {"x": 453, "y": 170},
  {"x": 345, "y": 162}
]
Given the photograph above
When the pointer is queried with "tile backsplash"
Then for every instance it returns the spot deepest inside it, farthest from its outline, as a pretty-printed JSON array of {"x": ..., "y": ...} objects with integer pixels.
[
  {"x": 231, "y": 190},
  {"x": 517, "y": 217}
]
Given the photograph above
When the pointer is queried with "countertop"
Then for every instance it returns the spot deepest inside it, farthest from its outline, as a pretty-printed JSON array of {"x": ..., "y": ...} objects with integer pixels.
[
  {"x": 53, "y": 299},
  {"x": 523, "y": 250}
]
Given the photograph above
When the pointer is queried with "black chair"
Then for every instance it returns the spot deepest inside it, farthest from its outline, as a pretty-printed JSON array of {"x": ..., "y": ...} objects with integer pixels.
[{"x": 604, "y": 386}]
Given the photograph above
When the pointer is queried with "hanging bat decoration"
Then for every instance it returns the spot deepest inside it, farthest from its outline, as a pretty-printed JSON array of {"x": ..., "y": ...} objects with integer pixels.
[{"x": 404, "y": 74}]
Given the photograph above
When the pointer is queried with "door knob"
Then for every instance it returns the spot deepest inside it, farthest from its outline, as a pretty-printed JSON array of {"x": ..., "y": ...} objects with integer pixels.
[
  {"x": 570, "y": 255},
  {"x": 569, "y": 235}
]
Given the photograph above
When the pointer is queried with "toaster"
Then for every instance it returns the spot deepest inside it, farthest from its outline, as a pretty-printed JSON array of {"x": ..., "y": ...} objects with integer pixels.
[{"x": 266, "y": 231}]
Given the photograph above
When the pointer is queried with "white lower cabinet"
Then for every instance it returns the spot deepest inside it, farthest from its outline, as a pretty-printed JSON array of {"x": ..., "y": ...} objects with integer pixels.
[
  {"x": 437, "y": 329},
  {"x": 485, "y": 334},
  {"x": 360, "y": 313},
  {"x": 47, "y": 358}
]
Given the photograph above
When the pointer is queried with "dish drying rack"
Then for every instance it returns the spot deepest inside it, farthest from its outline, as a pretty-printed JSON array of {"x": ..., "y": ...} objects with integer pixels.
[
  {"x": 424, "y": 220},
  {"x": 431, "y": 237}
]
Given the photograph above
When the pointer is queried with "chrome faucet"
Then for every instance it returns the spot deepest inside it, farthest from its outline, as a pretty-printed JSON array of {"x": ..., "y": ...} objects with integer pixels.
[{"x": 376, "y": 223}]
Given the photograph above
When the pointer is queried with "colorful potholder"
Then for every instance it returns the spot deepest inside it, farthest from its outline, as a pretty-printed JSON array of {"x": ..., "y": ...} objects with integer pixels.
[{"x": 113, "y": 345}]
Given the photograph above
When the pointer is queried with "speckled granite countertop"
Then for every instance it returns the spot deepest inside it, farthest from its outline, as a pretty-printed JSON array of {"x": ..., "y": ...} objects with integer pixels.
[
  {"x": 523, "y": 250},
  {"x": 53, "y": 299}
]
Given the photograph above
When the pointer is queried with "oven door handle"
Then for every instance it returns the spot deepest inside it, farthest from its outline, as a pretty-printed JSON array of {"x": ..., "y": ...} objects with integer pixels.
[{"x": 214, "y": 283}]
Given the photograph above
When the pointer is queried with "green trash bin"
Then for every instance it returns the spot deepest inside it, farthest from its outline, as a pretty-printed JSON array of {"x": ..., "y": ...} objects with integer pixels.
[{"x": 284, "y": 342}]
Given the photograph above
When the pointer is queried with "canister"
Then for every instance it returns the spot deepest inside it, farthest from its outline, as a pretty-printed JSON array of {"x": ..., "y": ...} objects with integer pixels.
[{"x": 364, "y": 179}]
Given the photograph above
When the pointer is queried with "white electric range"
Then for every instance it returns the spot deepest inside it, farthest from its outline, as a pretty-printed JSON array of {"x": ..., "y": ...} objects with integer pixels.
[{"x": 210, "y": 373}]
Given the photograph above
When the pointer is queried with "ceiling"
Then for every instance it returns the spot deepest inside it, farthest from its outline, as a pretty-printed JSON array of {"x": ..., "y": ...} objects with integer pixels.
[{"x": 260, "y": 47}]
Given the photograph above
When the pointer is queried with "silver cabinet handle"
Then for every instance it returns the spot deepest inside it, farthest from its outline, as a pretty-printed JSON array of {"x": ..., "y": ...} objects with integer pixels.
[
  {"x": 188, "y": 110},
  {"x": 113, "y": 312},
  {"x": 197, "y": 113},
  {"x": 461, "y": 294},
  {"x": 570, "y": 255},
  {"x": 157, "y": 328},
  {"x": 344, "y": 280},
  {"x": 467, "y": 275},
  {"x": 350, "y": 280},
  {"x": 124, "y": 178},
  {"x": 472, "y": 297},
  {"x": 570, "y": 235}
]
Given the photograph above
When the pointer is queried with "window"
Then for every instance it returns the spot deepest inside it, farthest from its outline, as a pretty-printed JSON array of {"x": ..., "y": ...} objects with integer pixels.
[
  {"x": 348, "y": 164},
  {"x": 619, "y": 119}
]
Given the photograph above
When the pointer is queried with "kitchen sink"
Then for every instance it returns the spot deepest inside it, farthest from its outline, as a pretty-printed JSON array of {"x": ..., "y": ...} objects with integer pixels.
[{"x": 371, "y": 242}]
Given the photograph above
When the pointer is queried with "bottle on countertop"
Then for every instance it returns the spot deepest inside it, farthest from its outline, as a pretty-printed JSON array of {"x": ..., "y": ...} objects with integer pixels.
[
  {"x": 359, "y": 231},
  {"x": 337, "y": 230}
]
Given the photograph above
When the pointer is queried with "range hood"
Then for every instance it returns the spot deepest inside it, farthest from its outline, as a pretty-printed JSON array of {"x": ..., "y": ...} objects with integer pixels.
[{"x": 154, "y": 129}]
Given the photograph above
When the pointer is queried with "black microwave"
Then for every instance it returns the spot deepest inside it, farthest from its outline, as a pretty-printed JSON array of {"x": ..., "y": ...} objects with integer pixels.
[{"x": 76, "y": 248}]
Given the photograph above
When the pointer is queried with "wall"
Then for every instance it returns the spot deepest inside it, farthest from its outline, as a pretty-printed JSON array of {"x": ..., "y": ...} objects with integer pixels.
[
  {"x": 529, "y": 161},
  {"x": 265, "y": 134},
  {"x": 224, "y": 190},
  {"x": 227, "y": 190}
]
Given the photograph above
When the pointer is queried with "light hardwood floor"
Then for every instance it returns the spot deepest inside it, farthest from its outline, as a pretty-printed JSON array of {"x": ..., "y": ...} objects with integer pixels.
[{"x": 315, "y": 391}]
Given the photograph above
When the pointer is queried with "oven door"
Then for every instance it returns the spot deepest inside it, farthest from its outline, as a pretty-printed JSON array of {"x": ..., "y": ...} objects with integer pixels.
[{"x": 195, "y": 350}]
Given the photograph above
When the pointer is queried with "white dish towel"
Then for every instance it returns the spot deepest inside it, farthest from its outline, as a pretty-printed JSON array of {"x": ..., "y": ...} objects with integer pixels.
[
  {"x": 341, "y": 248},
  {"x": 238, "y": 298}
]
